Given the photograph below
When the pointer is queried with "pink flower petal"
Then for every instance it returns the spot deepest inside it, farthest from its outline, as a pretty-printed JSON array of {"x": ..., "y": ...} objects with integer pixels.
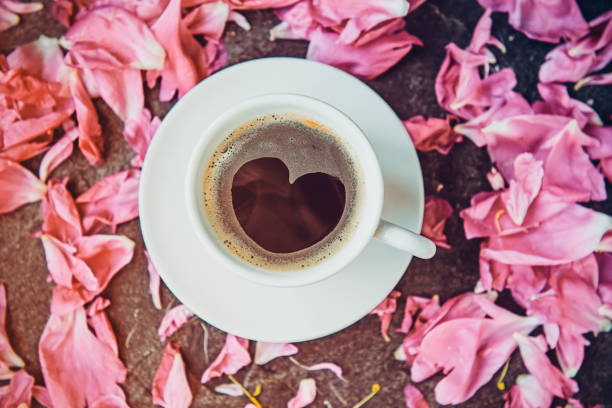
[
  {"x": 260, "y": 4},
  {"x": 231, "y": 389},
  {"x": 482, "y": 35},
  {"x": 104, "y": 256},
  {"x": 548, "y": 22},
  {"x": 527, "y": 393},
  {"x": 496, "y": 180},
  {"x": 208, "y": 19},
  {"x": 367, "y": 61},
  {"x": 603, "y": 151},
  {"x": 601, "y": 79},
  {"x": 414, "y": 398},
  {"x": 427, "y": 307},
  {"x": 570, "y": 351},
  {"x": 98, "y": 321},
  {"x": 186, "y": 64},
  {"x": 77, "y": 366},
  {"x": 233, "y": 356},
  {"x": 352, "y": 19},
  {"x": 90, "y": 133},
  {"x": 432, "y": 133},
  {"x": 306, "y": 394},
  {"x": 113, "y": 29},
  {"x": 528, "y": 173},
  {"x": 558, "y": 102},
  {"x": 297, "y": 22},
  {"x": 173, "y": 320},
  {"x": 8, "y": 357},
  {"x": 60, "y": 151},
  {"x": 63, "y": 264},
  {"x": 437, "y": 211},
  {"x": 471, "y": 350},
  {"x": 42, "y": 58},
  {"x": 550, "y": 377},
  {"x": 110, "y": 401},
  {"x": 111, "y": 201},
  {"x": 7, "y": 19},
  {"x": 170, "y": 385},
  {"x": 334, "y": 368},
  {"x": 385, "y": 311},
  {"x": 573, "y": 60},
  {"x": 60, "y": 216},
  {"x": 22, "y": 7},
  {"x": 604, "y": 289},
  {"x": 139, "y": 132},
  {"x": 154, "y": 282},
  {"x": 18, "y": 186},
  {"x": 266, "y": 352},
  {"x": 572, "y": 234},
  {"x": 18, "y": 392}
]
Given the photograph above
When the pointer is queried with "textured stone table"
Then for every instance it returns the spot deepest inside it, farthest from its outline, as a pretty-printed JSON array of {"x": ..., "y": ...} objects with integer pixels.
[{"x": 359, "y": 349}]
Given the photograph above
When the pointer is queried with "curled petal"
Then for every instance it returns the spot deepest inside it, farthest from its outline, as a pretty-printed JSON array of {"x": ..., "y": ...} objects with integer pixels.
[
  {"x": 173, "y": 320},
  {"x": 170, "y": 385},
  {"x": 366, "y": 61},
  {"x": 233, "y": 356},
  {"x": 550, "y": 377},
  {"x": 524, "y": 188},
  {"x": 154, "y": 282},
  {"x": 90, "y": 133},
  {"x": 556, "y": 101},
  {"x": 8, "y": 357},
  {"x": 437, "y": 211},
  {"x": 60, "y": 216},
  {"x": 60, "y": 151},
  {"x": 111, "y": 201},
  {"x": 18, "y": 392},
  {"x": 414, "y": 398},
  {"x": 138, "y": 132},
  {"x": 432, "y": 133},
  {"x": 266, "y": 352},
  {"x": 306, "y": 394},
  {"x": 18, "y": 186},
  {"x": 527, "y": 393},
  {"x": 385, "y": 311},
  {"x": 297, "y": 22}
]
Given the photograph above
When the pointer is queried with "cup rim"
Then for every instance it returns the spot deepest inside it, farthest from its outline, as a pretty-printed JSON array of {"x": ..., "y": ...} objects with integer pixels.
[{"x": 368, "y": 219}]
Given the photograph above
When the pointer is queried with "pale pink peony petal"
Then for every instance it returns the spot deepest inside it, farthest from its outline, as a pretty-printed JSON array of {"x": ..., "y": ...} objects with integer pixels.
[
  {"x": 154, "y": 282},
  {"x": 471, "y": 350},
  {"x": 208, "y": 19},
  {"x": 527, "y": 393},
  {"x": 352, "y": 19},
  {"x": 482, "y": 35},
  {"x": 367, "y": 61},
  {"x": 524, "y": 188},
  {"x": 110, "y": 401},
  {"x": 60, "y": 151},
  {"x": 233, "y": 356},
  {"x": 111, "y": 201},
  {"x": 78, "y": 367},
  {"x": 63, "y": 264},
  {"x": 139, "y": 132},
  {"x": 604, "y": 289},
  {"x": 18, "y": 186},
  {"x": 18, "y": 393},
  {"x": 231, "y": 389},
  {"x": 601, "y": 79},
  {"x": 170, "y": 385},
  {"x": 186, "y": 63},
  {"x": 90, "y": 133},
  {"x": 114, "y": 30},
  {"x": 103, "y": 256},
  {"x": 42, "y": 58},
  {"x": 432, "y": 133},
  {"x": 437, "y": 211},
  {"x": 550, "y": 22},
  {"x": 603, "y": 151},
  {"x": 550, "y": 377},
  {"x": 60, "y": 216},
  {"x": 98, "y": 321},
  {"x": 334, "y": 368},
  {"x": 306, "y": 394},
  {"x": 173, "y": 320},
  {"x": 572, "y": 234},
  {"x": 259, "y": 4},
  {"x": 427, "y": 307},
  {"x": 22, "y": 7},
  {"x": 266, "y": 352},
  {"x": 414, "y": 398},
  {"x": 41, "y": 395},
  {"x": 558, "y": 102},
  {"x": 8, "y": 357},
  {"x": 297, "y": 22},
  {"x": 385, "y": 311},
  {"x": 7, "y": 19},
  {"x": 570, "y": 351}
]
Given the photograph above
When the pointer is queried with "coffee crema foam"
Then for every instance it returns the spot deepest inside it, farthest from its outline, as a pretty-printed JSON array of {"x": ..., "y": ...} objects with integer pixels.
[{"x": 304, "y": 146}]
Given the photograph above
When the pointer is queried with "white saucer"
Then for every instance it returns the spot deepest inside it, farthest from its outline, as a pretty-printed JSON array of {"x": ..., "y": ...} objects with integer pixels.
[{"x": 222, "y": 298}]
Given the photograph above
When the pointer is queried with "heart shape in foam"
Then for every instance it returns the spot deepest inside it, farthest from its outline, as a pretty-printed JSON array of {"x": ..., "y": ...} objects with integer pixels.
[{"x": 283, "y": 217}]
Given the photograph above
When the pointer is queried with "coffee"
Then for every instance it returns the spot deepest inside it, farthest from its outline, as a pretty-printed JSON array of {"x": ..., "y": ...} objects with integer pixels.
[{"x": 282, "y": 192}]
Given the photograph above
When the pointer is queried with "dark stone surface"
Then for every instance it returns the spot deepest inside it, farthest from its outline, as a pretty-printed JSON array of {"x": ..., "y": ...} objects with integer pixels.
[{"x": 359, "y": 349}]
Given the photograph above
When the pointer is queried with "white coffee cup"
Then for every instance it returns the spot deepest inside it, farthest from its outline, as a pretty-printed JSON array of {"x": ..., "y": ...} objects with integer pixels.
[{"x": 369, "y": 225}]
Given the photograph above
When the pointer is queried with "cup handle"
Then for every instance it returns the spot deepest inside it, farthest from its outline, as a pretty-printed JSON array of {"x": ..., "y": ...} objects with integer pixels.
[{"x": 406, "y": 240}]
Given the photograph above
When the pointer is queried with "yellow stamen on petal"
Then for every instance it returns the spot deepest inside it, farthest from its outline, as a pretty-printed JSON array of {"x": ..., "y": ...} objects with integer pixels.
[
  {"x": 375, "y": 389},
  {"x": 257, "y": 390},
  {"x": 497, "y": 217},
  {"x": 246, "y": 392},
  {"x": 500, "y": 383}
]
